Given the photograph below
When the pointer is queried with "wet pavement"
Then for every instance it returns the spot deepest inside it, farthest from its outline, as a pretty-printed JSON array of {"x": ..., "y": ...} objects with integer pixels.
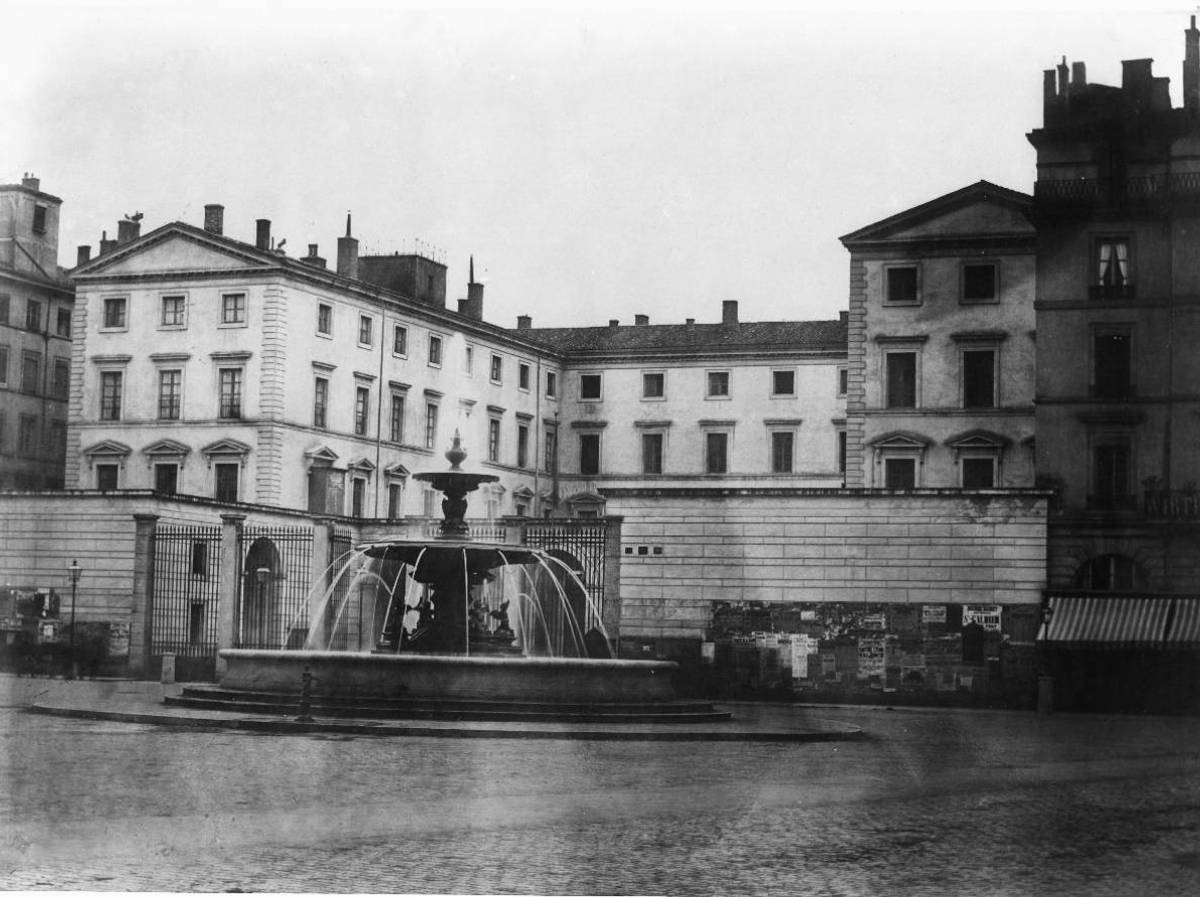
[{"x": 933, "y": 802}]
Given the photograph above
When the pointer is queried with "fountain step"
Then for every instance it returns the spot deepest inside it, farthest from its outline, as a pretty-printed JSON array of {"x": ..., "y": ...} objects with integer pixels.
[{"x": 216, "y": 698}]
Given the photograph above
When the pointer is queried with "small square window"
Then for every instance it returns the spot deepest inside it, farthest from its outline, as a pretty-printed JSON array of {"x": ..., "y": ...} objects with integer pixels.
[
  {"x": 523, "y": 376},
  {"x": 435, "y": 350},
  {"x": 114, "y": 313},
  {"x": 978, "y": 473},
  {"x": 900, "y": 473},
  {"x": 783, "y": 383},
  {"x": 902, "y": 284},
  {"x": 324, "y": 319},
  {"x": 718, "y": 384},
  {"x": 653, "y": 385},
  {"x": 400, "y": 340},
  {"x": 233, "y": 308},
  {"x": 589, "y": 387},
  {"x": 979, "y": 282}
]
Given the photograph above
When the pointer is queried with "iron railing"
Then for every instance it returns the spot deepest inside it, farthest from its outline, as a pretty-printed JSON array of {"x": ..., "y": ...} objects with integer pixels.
[
  {"x": 1171, "y": 504},
  {"x": 581, "y": 545},
  {"x": 1089, "y": 191},
  {"x": 186, "y": 599},
  {"x": 276, "y": 575}
]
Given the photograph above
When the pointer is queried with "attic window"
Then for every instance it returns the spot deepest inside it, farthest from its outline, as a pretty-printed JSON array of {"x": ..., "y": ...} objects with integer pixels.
[
  {"x": 902, "y": 285},
  {"x": 39, "y": 219},
  {"x": 979, "y": 282}
]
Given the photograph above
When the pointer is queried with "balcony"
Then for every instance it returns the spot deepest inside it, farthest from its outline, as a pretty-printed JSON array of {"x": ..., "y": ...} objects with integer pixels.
[
  {"x": 1076, "y": 192},
  {"x": 1171, "y": 504}
]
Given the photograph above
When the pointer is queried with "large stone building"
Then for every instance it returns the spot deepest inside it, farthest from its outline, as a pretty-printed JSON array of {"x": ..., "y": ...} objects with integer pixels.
[
  {"x": 1117, "y": 208},
  {"x": 35, "y": 339},
  {"x": 940, "y": 375}
]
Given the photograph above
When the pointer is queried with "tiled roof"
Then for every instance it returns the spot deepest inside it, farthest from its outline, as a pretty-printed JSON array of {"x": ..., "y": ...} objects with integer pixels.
[{"x": 804, "y": 336}]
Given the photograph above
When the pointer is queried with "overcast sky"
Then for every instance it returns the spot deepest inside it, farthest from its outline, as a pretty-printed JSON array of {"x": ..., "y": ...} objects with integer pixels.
[{"x": 599, "y": 162}]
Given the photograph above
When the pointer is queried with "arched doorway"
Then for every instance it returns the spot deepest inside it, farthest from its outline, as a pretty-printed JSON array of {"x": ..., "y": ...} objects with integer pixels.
[{"x": 260, "y": 625}]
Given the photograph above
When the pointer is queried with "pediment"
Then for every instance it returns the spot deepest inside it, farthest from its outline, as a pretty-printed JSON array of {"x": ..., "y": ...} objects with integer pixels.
[
  {"x": 397, "y": 471},
  {"x": 226, "y": 447},
  {"x": 899, "y": 440},
  {"x": 523, "y": 493},
  {"x": 108, "y": 447},
  {"x": 586, "y": 497},
  {"x": 166, "y": 447},
  {"x": 321, "y": 455},
  {"x": 981, "y": 210},
  {"x": 174, "y": 248},
  {"x": 364, "y": 464},
  {"x": 978, "y": 439}
]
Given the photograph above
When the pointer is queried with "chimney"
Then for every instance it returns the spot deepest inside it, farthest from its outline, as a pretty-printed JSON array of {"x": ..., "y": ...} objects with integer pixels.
[
  {"x": 1078, "y": 75},
  {"x": 347, "y": 258},
  {"x": 128, "y": 229},
  {"x": 214, "y": 219},
  {"x": 1049, "y": 87},
  {"x": 641, "y": 320},
  {"x": 106, "y": 245},
  {"x": 472, "y": 306},
  {"x": 262, "y": 233},
  {"x": 1064, "y": 86},
  {"x": 83, "y": 255},
  {"x": 31, "y": 182},
  {"x": 729, "y": 311},
  {"x": 524, "y": 322},
  {"x": 691, "y": 322},
  {"x": 613, "y": 323},
  {"x": 313, "y": 258},
  {"x": 1191, "y": 69}
]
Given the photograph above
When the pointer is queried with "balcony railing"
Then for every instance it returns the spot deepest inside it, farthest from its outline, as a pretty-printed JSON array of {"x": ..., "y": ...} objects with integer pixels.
[
  {"x": 1090, "y": 191},
  {"x": 1171, "y": 504}
]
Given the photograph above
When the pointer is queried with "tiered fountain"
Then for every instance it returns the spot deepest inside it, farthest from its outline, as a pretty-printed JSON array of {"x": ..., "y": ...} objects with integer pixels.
[{"x": 452, "y": 628}]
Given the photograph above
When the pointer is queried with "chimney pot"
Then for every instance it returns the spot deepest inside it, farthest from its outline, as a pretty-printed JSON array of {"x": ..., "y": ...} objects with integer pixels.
[
  {"x": 641, "y": 320},
  {"x": 83, "y": 255},
  {"x": 31, "y": 182},
  {"x": 262, "y": 238},
  {"x": 312, "y": 250},
  {"x": 691, "y": 322},
  {"x": 347, "y": 257},
  {"x": 106, "y": 245},
  {"x": 214, "y": 219},
  {"x": 613, "y": 322},
  {"x": 127, "y": 230},
  {"x": 524, "y": 322},
  {"x": 729, "y": 311}
]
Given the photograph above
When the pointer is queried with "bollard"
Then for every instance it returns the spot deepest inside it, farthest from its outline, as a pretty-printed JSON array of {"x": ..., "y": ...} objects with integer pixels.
[{"x": 305, "y": 708}]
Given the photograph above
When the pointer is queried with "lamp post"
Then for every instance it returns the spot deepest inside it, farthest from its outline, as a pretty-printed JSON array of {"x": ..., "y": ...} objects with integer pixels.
[{"x": 74, "y": 571}]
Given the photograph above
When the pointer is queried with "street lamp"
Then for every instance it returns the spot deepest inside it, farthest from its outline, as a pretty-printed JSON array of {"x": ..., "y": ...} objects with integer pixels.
[{"x": 74, "y": 571}]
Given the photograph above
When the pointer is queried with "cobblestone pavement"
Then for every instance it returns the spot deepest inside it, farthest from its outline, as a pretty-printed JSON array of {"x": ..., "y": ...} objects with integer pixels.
[{"x": 935, "y": 802}]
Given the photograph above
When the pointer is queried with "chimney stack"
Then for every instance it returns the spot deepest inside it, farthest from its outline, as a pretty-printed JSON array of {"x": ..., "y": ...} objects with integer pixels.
[
  {"x": 1078, "y": 75},
  {"x": 313, "y": 258},
  {"x": 347, "y": 257},
  {"x": 641, "y": 320},
  {"x": 729, "y": 314},
  {"x": 1064, "y": 86},
  {"x": 613, "y": 323},
  {"x": 843, "y": 317},
  {"x": 83, "y": 255},
  {"x": 128, "y": 229},
  {"x": 106, "y": 245},
  {"x": 31, "y": 182},
  {"x": 262, "y": 233},
  {"x": 524, "y": 322},
  {"x": 1191, "y": 69},
  {"x": 472, "y": 306},
  {"x": 214, "y": 219}
]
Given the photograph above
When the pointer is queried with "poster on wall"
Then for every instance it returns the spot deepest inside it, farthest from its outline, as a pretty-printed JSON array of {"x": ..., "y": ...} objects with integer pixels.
[{"x": 985, "y": 615}]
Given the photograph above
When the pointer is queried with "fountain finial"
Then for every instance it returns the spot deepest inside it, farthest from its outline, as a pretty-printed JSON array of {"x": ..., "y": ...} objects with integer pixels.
[{"x": 456, "y": 454}]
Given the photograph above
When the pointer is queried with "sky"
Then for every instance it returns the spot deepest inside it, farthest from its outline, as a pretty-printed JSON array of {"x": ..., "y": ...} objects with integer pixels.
[{"x": 598, "y": 161}]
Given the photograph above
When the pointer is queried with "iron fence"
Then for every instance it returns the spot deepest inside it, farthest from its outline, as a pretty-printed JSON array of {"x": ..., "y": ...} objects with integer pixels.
[
  {"x": 186, "y": 600},
  {"x": 580, "y": 544},
  {"x": 275, "y": 580},
  {"x": 341, "y": 543}
]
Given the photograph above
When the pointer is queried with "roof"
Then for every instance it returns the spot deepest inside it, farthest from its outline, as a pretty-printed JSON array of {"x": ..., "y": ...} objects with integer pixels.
[
  {"x": 793, "y": 336},
  {"x": 980, "y": 191}
]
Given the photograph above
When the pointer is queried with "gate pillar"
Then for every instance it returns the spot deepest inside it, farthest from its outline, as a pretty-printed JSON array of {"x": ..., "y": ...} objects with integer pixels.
[
  {"x": 231, "y": 568},
  {"x": 142, "y": 612}
]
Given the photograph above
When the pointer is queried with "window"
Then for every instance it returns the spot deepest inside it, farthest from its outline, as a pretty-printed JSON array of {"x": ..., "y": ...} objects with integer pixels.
[
  {"x": 358, "y": 492},
  {"x": 901, "y": 376},
  {"x": 550, "y": 461},
  {"x": 978, "y": 473},
  {"x": 494, "y": 440},
  {"x": 431, "y": 423},
  {"x": 395, "y": 499},
  {"x": 200, "y": 559},
  {"x": 522, "y": 445},
  {"x": 469, "y": 360},
  {"x": 5, "y": 303},
  {"x": 64, "y": 322},
  {"x": 3, "y": 365},
  {"x": 716, "y": 452},
  {"x": 27, "y": 441},
  {"x": 324, "y": 319},
  {"x": 843, "y": 381},
  {"x": 979, "y": 282},
  {"x": 523, "y": 376},
  {"x": 364, "y": 330},
  {"x": 435, "y": 350},
  {"x": 362, "y": 409},
  {"x": 496, "y": 371},
  {"x": 653, "y": 385},
  {"x": 166, "y": 478},
  {"x": 589, "y": 454},
  {"x": 900, "y": 473},
  {"x": 229, "y": 387},
  {"x": 1111, "y": 365},
  {"x": 841, "y": 451},
  {"x": 400, "y": 340},
  {"x": 320, "y": 402},
  {"x": 901, "y": 284},
  {"x": 31, "y": 372},
  {"x": 652, "y": 453},
  {"x": 106, "y": 476},
  {"x": 39, "y": 219},
  {"x": 114, "y": 313},
  {"x": 979, "y": 378},
  {"x": 427, "y": 502},
  {"x": 233, "y": 308},
  {"x": 172, "y": 311},
  {"x": 33, "y": 315},
  {"x": 551, "y": 385},
  {"x": 397, "y": 420},
  {"x": 1110, "y": 476},
  {"x": 170, "y": 388},
  {"x": 783, "y": 383},
  {"x": 1114, "y": 279},
  {"x": 110, "y": 395},
  {"x": 62, "y": 378},
  {"x": 225, "y": 477},
  {"x": 589, "y": 387},
  {"x": 1110, "y": 573},
  {"x": 783, "y": 446},
  {"x": 718, "y": 384}
]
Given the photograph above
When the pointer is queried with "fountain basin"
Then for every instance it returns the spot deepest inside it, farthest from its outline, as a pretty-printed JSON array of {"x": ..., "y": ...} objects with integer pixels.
[{"x": 346, "y": 674}]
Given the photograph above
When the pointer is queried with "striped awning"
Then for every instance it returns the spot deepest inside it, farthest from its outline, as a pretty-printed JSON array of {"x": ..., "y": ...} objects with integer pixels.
[
  {"x": 1115, "y": 623},
  {"x": 1184, "y": 631}
]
